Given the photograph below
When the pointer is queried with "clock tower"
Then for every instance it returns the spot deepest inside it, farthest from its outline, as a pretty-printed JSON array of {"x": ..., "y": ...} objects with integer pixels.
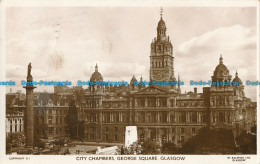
[{"x": 161, "y": 57}]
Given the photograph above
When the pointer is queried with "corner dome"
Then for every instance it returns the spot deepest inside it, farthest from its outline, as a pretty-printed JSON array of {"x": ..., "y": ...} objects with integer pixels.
[
  {"x": 96, "y": 76},
  {"x": 237, "y": 79},
  {"x": 221, "y": 69}
]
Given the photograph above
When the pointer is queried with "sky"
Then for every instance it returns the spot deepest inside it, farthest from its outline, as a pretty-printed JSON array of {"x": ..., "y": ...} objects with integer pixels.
[{"x": 65, "y": 43}]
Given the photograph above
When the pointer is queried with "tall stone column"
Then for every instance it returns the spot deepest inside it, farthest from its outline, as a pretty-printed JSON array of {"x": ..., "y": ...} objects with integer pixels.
[
  {"x": 29, "y": 112},
  {"x": 145, "y": 103}
]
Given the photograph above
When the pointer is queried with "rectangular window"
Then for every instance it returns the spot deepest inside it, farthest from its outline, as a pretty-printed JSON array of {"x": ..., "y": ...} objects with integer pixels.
[
  {"x": 194, "y": 117},
  {"x": 50, "y": 120},
  {"x": 57, "y": 120},
  {"x": 172, "y": 118},
  {"x": 182, "y": 138},
  {"x": 173, "y": 138},
  {"x": 182, "y": 117},
  {"x": 204, "y": 117},
  {"x": 192, "y": 130},
  {"x": 181, "y": 130}
]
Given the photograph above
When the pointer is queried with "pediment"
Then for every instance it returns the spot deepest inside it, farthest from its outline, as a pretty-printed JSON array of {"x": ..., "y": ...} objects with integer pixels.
[{"x": 152, "y": 90}]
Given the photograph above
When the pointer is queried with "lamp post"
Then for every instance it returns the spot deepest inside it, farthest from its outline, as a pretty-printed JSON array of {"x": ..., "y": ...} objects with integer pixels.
[{"x": 77, "y": 131}]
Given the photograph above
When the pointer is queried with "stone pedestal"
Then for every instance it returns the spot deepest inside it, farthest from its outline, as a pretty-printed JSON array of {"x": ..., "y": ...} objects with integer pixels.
[{"x": 130, "y": 135}]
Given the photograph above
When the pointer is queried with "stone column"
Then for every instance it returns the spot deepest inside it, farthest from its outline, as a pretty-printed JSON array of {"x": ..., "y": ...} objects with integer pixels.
[
  {"x": 225, "y": 117},
  {"x": 187, "y": 117},
  {"x": 100, "y": 102},
  {"x": 145, "y": 103},
  {"x": 199, "y": 117},
  {"x": 168, "y": 117},
  {"x": 29, "y": 112}
]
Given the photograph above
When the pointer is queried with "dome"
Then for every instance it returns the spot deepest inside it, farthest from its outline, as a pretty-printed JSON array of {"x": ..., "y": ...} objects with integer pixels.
[
  {"x": 237, "y": 79},
  {"x": 221, "y": 69},
  {"x": 96, "y": 76},
  {"x": 161, "y": 24}
]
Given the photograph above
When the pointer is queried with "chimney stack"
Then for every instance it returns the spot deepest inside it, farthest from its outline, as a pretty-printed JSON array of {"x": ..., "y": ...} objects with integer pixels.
[{"x": 195, "y": 90}]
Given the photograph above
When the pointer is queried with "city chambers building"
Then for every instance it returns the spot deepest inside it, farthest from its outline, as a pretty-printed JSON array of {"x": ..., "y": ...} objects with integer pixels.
[{"x": 161, "y": 113}]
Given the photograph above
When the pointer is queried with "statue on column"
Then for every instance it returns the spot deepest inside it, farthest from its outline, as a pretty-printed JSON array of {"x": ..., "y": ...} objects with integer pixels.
[
  {"x": 29, "y": 76},
  {"x": 29, "y": 69}
]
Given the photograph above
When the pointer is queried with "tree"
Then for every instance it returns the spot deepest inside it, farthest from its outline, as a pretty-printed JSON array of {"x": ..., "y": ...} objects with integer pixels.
[
  {"x": 81, "y": 130},
  {"x": 132, "y": 149},
  {"x": 151, "y": 147},
  {"x": 169, "y": 148},
  {"x": 72, "y": 120},
  {"x": 253, "y": 129},
  {"x": 14, "y": 140},
  {"x": 210, "y": 140},
  {"x": 247, "y": 143}
]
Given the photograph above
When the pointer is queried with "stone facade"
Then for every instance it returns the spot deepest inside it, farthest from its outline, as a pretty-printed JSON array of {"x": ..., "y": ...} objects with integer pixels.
[
  {"x": 160, "y": 113},
  {"x": 14, "y": 123}
]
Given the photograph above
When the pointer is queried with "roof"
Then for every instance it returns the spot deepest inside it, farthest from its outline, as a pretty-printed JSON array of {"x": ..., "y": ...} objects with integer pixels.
[
  {"x": 220, "y": 69},
  {"x": 96, "y": 76},
  {"x": 161, "y": 24}
]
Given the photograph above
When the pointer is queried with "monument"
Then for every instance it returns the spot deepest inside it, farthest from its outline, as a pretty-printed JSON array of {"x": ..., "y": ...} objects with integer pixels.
[
  {"x": 29, "y": 112},
  {"x": 130, "y": 135}
]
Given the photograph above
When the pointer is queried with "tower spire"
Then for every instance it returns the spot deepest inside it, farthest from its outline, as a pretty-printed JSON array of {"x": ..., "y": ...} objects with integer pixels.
[
  {"x": 220, "y": 59},
  {"x": 96, "y": 68},
  {"x": 161, "y": 12},
  {"x": 179, "y": 79}
]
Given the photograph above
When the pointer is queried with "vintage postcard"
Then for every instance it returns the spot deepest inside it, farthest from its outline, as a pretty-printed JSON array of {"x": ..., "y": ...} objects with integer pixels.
[{"x": 123, "y": 81}]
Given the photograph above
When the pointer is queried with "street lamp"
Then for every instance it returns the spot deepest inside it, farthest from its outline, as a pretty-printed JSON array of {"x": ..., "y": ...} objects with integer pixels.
[
  {"x": 77, "y": 131},
  {"x": 164, "y": 139}
]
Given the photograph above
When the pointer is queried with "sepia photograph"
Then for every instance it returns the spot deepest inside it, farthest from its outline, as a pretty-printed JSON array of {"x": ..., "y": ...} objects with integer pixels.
[{"x": 156, "y": 82}]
